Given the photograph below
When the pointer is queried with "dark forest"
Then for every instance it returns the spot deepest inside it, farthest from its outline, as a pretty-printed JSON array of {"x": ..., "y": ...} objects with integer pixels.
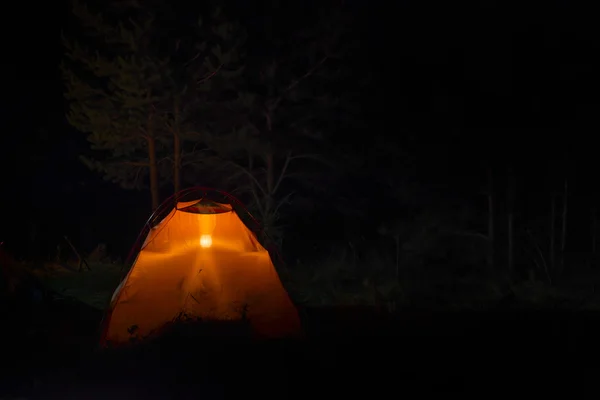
[{"x": 400, "y": 159}]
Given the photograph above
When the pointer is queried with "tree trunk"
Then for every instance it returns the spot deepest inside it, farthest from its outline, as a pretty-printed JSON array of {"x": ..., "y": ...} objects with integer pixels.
[
  {"x": 153, "y": 165},
  {"x": 270, "y": 169},
  {"x": 490, "y": 196},
  {"x": 563, "y": 239},
  {"x": 270, "y": 183},
  {"x": 594, "y": 230},
  {"x": 177, "y": 163},
  {"x": 510, "y": 241},
  {"x": 511, "y": 202},
  {"x": 553, "y": 233},
  {"x": 176, "y": 148},
  {"x": 592, "y": 258}
]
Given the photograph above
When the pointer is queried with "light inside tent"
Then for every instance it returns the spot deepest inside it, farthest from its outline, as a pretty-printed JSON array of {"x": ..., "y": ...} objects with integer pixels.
[
  {"x": 207, "y": 224},
  {"x": 205, "y": 241}
]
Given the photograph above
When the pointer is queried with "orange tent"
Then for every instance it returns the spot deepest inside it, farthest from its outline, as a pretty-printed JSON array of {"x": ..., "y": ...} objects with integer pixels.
[{"x": 201, "y": 260}]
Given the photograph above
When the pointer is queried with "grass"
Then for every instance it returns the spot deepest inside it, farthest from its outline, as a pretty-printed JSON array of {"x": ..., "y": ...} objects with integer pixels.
[
  {"x": 322, "y": 287},
  {"x": 346, "y": 351},
  {"x": 93, "y": 288},
  {"x": 347, "y": 346}
]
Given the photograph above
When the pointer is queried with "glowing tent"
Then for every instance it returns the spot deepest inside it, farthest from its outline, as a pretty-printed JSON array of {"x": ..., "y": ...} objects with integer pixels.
[{"x": 202, "y": 261}]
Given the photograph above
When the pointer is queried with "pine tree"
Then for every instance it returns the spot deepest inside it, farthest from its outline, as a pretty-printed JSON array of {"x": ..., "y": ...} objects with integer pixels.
[
  {"x": 207, "y": 66},
  {"x": 282, "y": 113},
  {"x": 113, "y": 92}
]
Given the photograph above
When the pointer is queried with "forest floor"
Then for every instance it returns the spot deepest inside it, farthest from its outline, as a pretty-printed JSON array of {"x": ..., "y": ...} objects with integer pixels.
[
  {"x": 93, "y": 287},
  {"x": 579, "y": 291},
  {"x": 49, "y": 350},
  {"x": 463, "y": 353}
]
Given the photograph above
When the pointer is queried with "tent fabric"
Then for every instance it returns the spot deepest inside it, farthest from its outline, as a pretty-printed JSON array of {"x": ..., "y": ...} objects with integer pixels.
[
  {"x": 204, "y": 207},
  {"x": 209, "y": 266}
]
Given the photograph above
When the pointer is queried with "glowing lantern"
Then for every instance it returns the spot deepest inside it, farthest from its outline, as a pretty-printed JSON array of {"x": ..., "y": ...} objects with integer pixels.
[
  {"x": 205, "y": 241},
  {"x": 207, "y": 226}
]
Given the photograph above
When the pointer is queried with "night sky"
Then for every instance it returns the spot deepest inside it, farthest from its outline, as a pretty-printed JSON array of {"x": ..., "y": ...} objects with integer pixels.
[{"x": 457, "y": 86}]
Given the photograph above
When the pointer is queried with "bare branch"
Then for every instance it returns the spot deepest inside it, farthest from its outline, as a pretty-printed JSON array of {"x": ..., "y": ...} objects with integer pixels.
[
  {"x": 209, "y": 76},
  {"x": 250, "y": 164},
  {"x": 165, "y": 159},
  {"x": 137, "y": 177},
  {"x": 289, "y": 159},
  {"x": 283, "y": 201},
  {"x": 257, "y": 200},
  {"x": 136, "y": 164},
  {"x": 259, "y": 205},
  {"x": 307, "y": 74},
  {"x": 249, "y": 174},
  {"x": 194, "y": 157},
  {"x": 295, "y": 83},
  {"x": 297, "y": 175},
  {"x": 183, "y": 153},
  {"x": 192, "y": 59},
  {"x": 267, "y": 115},
  {"x": 283, "y": 171},
  {"x": 196, "y": 145}
]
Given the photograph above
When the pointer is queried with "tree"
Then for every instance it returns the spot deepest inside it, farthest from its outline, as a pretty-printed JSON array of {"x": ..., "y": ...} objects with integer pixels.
[
  {"x": 205, "y": 69},
  {"x": 282, "y": 112},
  {"x": 114, "y": 92}
]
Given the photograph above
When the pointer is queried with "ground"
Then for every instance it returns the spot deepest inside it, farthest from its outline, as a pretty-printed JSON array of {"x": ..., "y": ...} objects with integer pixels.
[
  {"x": 50, "y": 351},
  {"x": 93, "y": 287}
]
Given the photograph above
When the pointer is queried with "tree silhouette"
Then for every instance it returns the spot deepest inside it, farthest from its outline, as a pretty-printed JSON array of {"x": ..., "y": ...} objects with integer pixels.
[
  {"x": 280, "y": 114},
  {"x": 113, "y": 93},
  {"x": 139, "y": 95},
  {"x": 206, "y": 69}
]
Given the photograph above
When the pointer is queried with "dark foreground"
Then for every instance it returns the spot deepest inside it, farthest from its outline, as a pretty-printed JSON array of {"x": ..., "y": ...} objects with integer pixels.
[{"x": 49, "y": 352}]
